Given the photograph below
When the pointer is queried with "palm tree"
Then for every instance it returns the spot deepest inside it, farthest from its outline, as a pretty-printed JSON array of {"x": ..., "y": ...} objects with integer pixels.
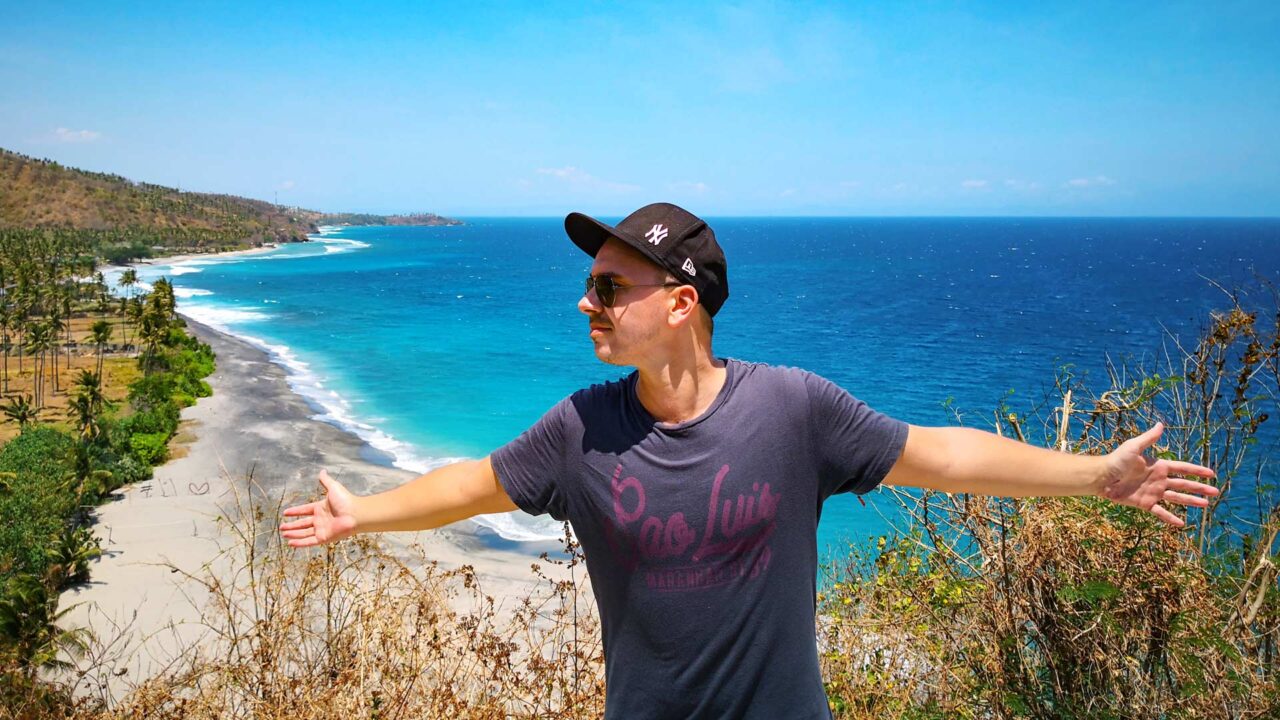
[
  {"x": 73, "y": 549},
  {"x": 38, "y": 343},
  {"x": 133, "y": 311},
  {"x": 128, "y": 279},
  {"x": 29, "y": 617},
  {"x": 6, "y": 321},
  {"x": 55, "y": 324},
  {"x": 21, "y": 411},
  {"x": 66, "y": 313},
  {"x": 80, "y": 410},
  {"x": 84, "y": 479},
  {"x": 21, "y": 320},
  {"x": 101, "y": 330},
  {"x": 154, "y": 329},
  {"x": 86, "y": 408}
]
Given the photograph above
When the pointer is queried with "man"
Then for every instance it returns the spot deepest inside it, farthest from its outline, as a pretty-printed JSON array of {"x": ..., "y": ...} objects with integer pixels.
[{"x": 696, "y": 483}]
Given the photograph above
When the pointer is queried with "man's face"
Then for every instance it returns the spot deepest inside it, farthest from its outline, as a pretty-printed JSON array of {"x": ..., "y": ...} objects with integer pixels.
[{"x": 629, "y": 330}]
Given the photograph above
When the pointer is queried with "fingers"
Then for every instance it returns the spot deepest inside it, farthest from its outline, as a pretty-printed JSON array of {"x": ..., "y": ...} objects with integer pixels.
[
  {"x": 305, "y": 542},
  {"x": 1167, "y": 516},
  {"x": 1192, "y": 486},
  {"x": 1148, "y": 438},
  {"x": 305, "y": 522},
  {"x": 1185, "y": 468},
  {"x": 1184, "y": 499},
  {"x": 308, "y": 509}
]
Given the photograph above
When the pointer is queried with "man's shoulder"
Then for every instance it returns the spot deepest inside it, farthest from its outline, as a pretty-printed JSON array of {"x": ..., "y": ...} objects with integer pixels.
[
  {"x": 607, "y": 394},
  {"x": 767, "y": 373}
]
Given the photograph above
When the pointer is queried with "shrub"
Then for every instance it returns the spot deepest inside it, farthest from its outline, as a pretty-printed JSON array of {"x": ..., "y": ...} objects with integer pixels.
[
  {"x": 150, "y": 448},
  {"x": 128, "y": 470},
  {"x": 151, "y": 390},
  {"x": 35, "y": 507}
]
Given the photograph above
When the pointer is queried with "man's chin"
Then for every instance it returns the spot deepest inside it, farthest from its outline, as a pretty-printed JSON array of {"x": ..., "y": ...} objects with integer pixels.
[{"x": 606, "y": 355}]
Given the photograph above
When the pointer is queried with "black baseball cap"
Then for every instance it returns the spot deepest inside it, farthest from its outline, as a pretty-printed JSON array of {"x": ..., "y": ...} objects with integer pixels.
[{"x": 674, "y": 238}]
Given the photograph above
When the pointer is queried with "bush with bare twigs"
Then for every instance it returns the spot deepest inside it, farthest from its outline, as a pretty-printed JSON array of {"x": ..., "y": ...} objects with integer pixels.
[{"x": 1068, "y": 608}]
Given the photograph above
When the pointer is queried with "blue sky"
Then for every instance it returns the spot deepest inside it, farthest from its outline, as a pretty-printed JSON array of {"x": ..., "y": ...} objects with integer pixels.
[{"x": 728, "y": 109}]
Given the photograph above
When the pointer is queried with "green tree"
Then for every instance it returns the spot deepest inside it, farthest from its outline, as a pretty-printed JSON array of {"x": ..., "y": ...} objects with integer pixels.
[
  {"x": 101, "y": 335},
  {"x": 30, "y": 622},
  {"x": 21, "y": 411}
]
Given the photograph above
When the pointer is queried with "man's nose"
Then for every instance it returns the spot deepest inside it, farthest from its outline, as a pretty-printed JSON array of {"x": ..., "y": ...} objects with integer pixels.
[{"x": 590, "y": 303}]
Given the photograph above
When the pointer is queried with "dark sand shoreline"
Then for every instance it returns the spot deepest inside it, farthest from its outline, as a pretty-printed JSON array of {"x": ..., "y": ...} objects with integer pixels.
[{"x": 254, "y": 423}]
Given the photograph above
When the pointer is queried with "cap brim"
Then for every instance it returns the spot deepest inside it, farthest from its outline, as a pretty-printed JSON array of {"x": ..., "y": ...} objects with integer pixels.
[{"x": 588, "y": 233}]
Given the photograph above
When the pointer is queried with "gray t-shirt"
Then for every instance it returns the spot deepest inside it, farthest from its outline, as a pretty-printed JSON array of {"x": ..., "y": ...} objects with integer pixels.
[{"x": 701, "y": 537}]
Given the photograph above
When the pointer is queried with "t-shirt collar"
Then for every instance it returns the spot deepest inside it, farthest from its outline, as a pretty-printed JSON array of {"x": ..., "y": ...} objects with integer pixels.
[{"x": 730, "y": 367}]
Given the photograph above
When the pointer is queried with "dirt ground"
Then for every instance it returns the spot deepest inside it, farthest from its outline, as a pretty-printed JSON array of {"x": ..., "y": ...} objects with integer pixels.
[{"x": 119, "y": 368}]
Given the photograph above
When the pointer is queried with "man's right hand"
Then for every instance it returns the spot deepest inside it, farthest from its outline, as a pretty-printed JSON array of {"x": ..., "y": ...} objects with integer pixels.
[{"x": 326, "y": 520}]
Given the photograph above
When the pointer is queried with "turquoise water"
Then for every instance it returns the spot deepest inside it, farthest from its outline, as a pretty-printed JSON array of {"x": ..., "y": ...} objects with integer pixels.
[{"x": 440, "y": 343}]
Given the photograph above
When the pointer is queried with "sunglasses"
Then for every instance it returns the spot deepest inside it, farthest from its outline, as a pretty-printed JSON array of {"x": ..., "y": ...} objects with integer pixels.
[{"x": 607, "y": 289}]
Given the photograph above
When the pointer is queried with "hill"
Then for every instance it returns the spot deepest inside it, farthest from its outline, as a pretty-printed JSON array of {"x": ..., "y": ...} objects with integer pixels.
[{"x": 37, "y": 193}]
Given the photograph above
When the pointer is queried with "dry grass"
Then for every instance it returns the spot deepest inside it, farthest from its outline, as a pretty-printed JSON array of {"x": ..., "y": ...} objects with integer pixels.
[
  {"x": 354, "y": 631},
  {"x": 118, "y": 369},
  {"x": 1051, "y": 608}
]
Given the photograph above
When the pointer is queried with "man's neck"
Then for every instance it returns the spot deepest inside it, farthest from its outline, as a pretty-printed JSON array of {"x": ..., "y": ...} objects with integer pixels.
[{"x": 678, "y": 392}]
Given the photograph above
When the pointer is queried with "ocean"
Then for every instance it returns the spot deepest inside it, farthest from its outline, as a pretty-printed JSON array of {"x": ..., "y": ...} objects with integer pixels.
[{"x": 439, "y": 343}]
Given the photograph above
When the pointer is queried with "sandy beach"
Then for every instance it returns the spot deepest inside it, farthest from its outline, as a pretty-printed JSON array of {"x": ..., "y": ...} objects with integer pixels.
[
  {"x": 173, "y": 259},
  {"x": 253, "y": 424}
]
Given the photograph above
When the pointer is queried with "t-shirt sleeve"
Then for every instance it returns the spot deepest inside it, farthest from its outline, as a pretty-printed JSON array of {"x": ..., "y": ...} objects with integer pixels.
[
  {"x": 531, "y": 467},
  {"x": 856, "y": 445}
]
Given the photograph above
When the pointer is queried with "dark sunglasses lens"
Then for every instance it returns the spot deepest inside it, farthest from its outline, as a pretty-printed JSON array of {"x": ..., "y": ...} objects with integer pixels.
[{"x": 604, "y": 289}]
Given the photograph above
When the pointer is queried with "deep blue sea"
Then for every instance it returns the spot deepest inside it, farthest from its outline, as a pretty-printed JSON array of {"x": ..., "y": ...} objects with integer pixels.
[{"x": 441, "y": 343}]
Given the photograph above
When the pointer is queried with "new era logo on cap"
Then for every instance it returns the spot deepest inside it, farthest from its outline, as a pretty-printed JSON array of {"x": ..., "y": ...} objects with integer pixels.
[{"x": 670, "y": 236}]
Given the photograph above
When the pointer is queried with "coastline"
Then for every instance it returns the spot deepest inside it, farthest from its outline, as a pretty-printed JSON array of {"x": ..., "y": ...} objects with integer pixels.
[{"x": 254, "y": 423}]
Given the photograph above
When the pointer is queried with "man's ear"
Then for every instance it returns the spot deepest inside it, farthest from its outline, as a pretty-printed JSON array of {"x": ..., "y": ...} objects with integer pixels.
[{"x": 684, "y": 305}]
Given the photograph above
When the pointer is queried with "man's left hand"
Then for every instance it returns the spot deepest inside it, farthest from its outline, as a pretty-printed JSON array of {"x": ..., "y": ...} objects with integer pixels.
[{"x": 1138, "y": 481}]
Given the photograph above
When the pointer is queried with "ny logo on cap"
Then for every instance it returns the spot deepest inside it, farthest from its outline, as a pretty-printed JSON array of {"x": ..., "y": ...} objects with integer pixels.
[
  {"x": 688, "y": 267},
  {"x": 656, "y": 234}
]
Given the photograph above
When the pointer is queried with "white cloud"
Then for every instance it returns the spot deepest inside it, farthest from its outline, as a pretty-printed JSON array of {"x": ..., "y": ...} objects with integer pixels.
[
  {"x": 1095, "y": 181},
  {"x": 1022, "y": 185},
  {"x": 974, "y": 184},
  {"x": 787, "y": 193},
  {"x": 684, "y": 186},
  {"x": 75, "y": 136},
  {"x": 286, "y": 185},
  {"x": 580, "y": 179}
]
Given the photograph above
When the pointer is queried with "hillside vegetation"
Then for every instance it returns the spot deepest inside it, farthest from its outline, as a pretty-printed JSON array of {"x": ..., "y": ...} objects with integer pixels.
[{"x": 43, "y": 194}]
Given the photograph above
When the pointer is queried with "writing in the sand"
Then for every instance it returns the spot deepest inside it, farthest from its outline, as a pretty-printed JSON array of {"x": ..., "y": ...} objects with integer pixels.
[
  {"x": 169, "y": 489},
  {"x": 732, "y": 543}
]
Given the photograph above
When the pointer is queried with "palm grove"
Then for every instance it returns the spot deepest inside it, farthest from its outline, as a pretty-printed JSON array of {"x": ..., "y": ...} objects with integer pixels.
[{"x": 61, "y": 327}]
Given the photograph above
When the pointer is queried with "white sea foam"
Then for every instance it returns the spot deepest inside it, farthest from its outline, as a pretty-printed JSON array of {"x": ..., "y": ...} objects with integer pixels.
[
  {"x": 184, "y": 270},
  {"x": 190, "y": 292},
  {"x": 521, "y": 526},
  {"x": 336, "y": 410},
  {"x": 339, "y": 245},
  {"x": 218, "y": 317}
]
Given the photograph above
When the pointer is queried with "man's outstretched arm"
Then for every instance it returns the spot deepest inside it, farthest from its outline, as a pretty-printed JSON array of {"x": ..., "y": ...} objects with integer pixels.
[
  {"x": 966, "y": 460},
  {"x": 444, "y": 495}
]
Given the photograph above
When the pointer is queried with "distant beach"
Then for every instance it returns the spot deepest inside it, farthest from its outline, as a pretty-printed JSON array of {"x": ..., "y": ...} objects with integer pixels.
[{"x": 253, "y": 424}]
